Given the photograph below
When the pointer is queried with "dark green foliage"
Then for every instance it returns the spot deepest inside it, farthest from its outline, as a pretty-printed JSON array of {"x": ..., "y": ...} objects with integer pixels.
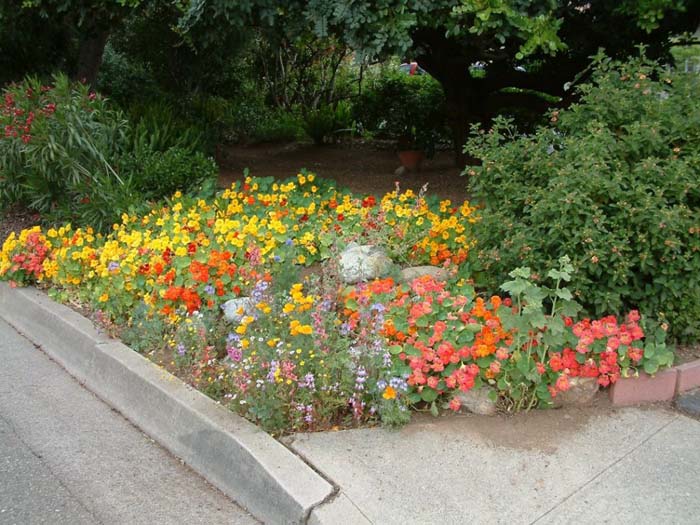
[
  {"x": 404, "y": 108},
  {"x": 613, "y": 183},
  {"x": 158, "y": 126},
  {"x": 163, "y": 173},
  {"x": 124, "y": 80},
  {"x": 326, "y": 123},
  {"x": 59, "y": 157}
]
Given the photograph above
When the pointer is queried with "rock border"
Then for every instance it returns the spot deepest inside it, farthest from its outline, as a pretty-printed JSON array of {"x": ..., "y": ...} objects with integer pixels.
[
  {"x": 666, "y": 385},
  {"x": 243, "y": 461}
]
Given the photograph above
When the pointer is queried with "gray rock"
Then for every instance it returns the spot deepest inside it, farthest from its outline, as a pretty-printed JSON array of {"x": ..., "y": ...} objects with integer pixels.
[
  {"x": 439, "y": 274},
  {"x": 582, "y": 391},
  {"x": 400, "y": 171},
  {"x": 363, "y": 263},
  {"x": 477, "y": 401},
  {"x": 236, "y": 309}
]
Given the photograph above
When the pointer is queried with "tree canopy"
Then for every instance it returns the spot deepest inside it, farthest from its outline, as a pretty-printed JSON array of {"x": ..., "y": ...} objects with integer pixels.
[{"x": 530, "y": 45}]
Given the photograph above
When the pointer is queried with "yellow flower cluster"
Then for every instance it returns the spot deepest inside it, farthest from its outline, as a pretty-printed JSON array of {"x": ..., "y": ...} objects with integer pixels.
[{"x": 177, "y": 251}]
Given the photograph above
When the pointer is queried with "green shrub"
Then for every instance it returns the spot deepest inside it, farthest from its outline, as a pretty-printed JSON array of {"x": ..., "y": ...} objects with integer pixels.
[
  {"x": 325, "y": 123},
  {"x": 277, "y": 126},
  {"x": 124, "y": 80},
  {"x": 161, "y": 174},
  {"x": 403, "y": 107},
  {"x": 612, "y": 182},
  {"x": 57, "y": 152},
  {"x": 158, "y": 126}
]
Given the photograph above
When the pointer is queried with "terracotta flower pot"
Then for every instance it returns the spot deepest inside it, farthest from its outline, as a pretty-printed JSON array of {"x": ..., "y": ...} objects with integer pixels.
[{"x": 411, "y": 159}]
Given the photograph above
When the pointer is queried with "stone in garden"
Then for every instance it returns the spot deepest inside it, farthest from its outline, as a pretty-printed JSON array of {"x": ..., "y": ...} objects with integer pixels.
[
  {"x": 690, "y": 403},
  {"x": 363, "y": 263},
  {"x": 236, "y": 309},
  {"x": 477, "y": 401},
  {"x": 582, "y": 391},
  {"x": 439, "y": 274},
  {"x": 400, "y": 171}
]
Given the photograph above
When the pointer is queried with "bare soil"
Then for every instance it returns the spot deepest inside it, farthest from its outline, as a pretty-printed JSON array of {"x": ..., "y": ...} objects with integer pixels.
[
  {"x": 364, "y": 168},
  {"x": 686, "y": 353},
  {"x": 15, "y": 220}
]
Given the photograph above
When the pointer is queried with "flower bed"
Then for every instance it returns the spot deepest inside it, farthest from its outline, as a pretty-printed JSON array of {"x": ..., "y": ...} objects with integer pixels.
[{"x": 309, "y": 353}]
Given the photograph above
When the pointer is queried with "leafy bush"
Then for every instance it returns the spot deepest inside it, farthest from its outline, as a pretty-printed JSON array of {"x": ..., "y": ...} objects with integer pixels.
[
  {"x": 124, "y": 80},
  {"x": 57, "y": 151},
  {"x": 324, "y": 124},
  {"x": 253, "y": 122},
  {"x": 161, "y": 174},
  {"x": 158, "y": 126},
  {"x": 612, "y": 182},
  {"x": 404, "y": 108}
]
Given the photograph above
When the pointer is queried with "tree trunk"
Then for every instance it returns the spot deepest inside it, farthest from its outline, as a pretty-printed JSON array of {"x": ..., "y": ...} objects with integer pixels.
[
  {"x": 462, "y": 97},
  {"x": 92, "y": 47}
]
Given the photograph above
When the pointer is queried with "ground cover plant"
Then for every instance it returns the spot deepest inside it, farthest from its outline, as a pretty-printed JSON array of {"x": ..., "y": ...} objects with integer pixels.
[
  {"x": 613, "y": 182},
  {"x": 307, "y": 353}
]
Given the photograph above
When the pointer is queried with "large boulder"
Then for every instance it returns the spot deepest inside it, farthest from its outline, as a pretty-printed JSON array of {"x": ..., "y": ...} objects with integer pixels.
[
  {"x": 236, "y": 309},
  {"x": 581, "y": 392},
  {"x": 477, "y": 401},
  {"x": 437, "y": 273},
  {"x": 363, "y": 263}
]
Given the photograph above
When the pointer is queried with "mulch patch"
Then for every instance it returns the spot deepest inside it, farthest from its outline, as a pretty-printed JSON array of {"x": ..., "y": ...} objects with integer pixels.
[{"x": 15, "y": 220}]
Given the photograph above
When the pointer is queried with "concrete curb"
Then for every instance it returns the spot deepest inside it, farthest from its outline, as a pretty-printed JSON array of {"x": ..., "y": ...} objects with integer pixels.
[
  {"x": 663, "y": 386},
  {"x": 244, "y": 462}
]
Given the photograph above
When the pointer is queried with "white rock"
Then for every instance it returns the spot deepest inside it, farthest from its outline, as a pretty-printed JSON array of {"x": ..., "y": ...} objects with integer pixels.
[
  {"x": 439, "y": 274},
  {"x": 362, "y": 263},
  {"x": 477, "y": 401},
  {"x": 236, "y": 309}
]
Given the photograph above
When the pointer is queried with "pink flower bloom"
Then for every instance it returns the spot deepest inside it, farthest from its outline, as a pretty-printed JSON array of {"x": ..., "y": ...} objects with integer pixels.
[
  {"x": 563, "y": 383},
  {"x": 502, "y": 354}
]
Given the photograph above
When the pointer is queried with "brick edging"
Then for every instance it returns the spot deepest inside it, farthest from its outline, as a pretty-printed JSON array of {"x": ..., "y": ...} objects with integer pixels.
[{"x": 666, "y": 385}]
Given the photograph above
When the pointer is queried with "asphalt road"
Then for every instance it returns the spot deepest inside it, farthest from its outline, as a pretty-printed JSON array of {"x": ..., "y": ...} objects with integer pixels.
[{"x": 68, "y": 458}]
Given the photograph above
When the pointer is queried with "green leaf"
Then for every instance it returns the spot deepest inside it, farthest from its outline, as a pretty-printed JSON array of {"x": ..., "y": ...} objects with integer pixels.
[
  {"x": 423, "y": 322},
  {"x": 564, "y": 293},
  {"x": 651, "y": 367},
  {"x": 395, "y": 349},
  {"x": 428, "y": 395},
  {"x": 414, "y": 397}
]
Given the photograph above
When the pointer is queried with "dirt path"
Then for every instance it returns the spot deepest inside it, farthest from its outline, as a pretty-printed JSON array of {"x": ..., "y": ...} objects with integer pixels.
[{"x": 362, "y": 168}]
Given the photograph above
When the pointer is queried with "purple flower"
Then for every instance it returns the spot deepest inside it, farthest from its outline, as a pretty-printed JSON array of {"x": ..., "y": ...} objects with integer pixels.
[
  {"x": 209, "y": 289},
  {"x": 360, "y": 378},
  {"x": 308, "y": 382},
  {"x": 271, "y": 373},
  {"x": 113, "y": 266},
  {"x": 180, "y": 349},
  {"x": 234, "y": 353}
]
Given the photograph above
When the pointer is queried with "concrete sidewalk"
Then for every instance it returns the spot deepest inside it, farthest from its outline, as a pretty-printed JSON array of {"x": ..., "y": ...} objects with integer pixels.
[
  {"x": 66, "y": 457},
  {"x": 596, "y": 465}
]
